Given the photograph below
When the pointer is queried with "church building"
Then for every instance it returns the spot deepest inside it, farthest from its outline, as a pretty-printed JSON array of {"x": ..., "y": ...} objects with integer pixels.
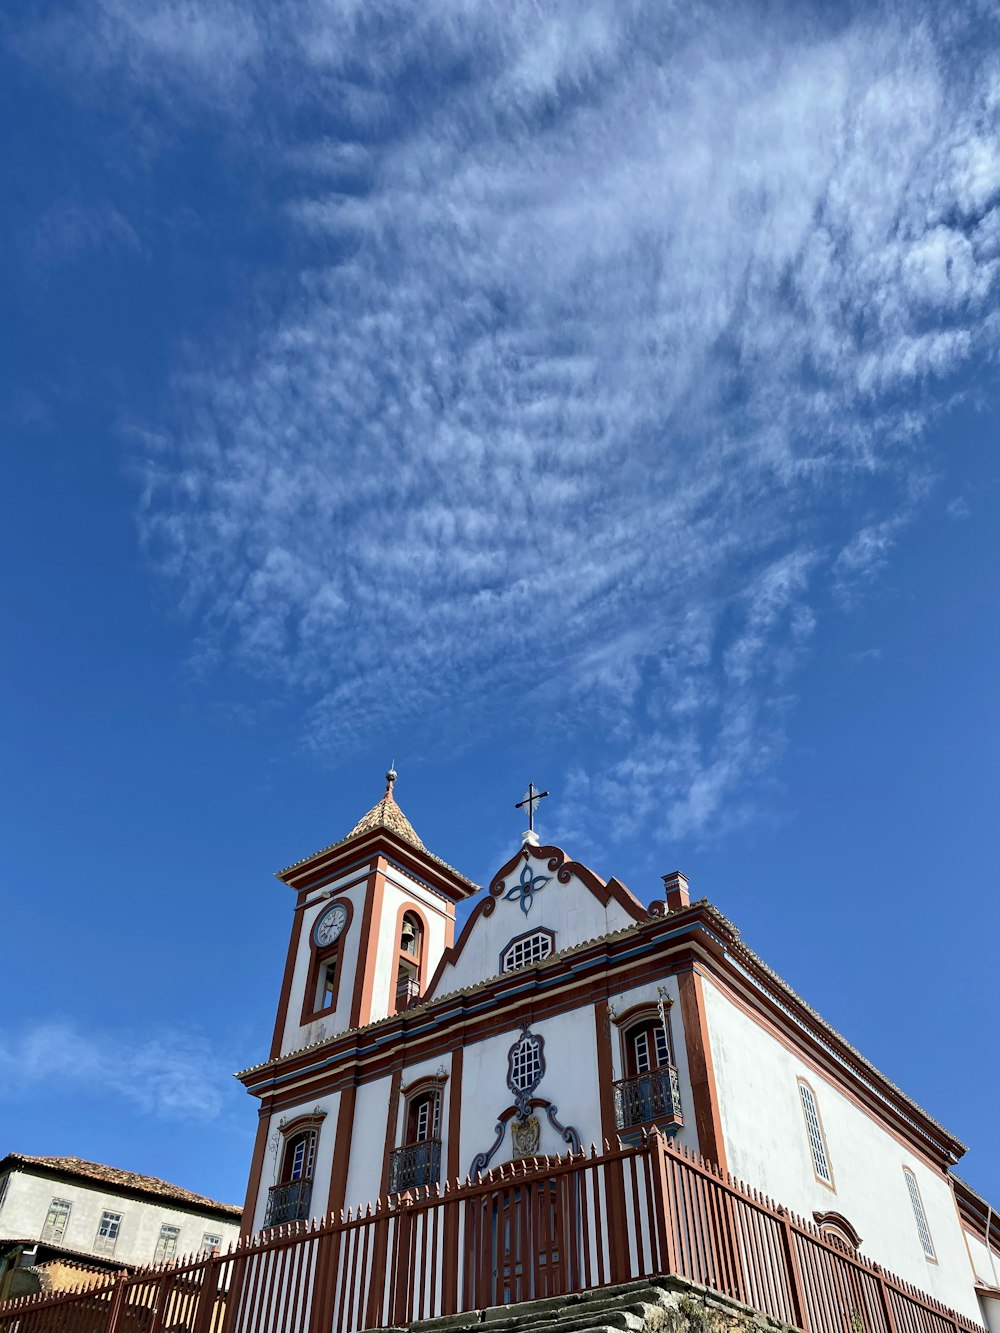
[{"x": 565, "y": 1013}]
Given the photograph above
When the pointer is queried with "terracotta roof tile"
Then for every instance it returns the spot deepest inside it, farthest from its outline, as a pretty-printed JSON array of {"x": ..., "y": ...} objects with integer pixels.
[
  {"x": 114, "y": 1177},
  {"x": 386, "y": 814}
]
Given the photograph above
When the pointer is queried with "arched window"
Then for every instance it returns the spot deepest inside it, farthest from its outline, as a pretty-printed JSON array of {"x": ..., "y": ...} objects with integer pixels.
[
  {"x": 410, "y": 960},
  {"x": 649, "y": 1093},
  {"x": 835, "y": 1227},
  {"x": 919, "y": 1216},
  {"x": 299, "y": 1156},
  {"x": 526, "y": 949},
  {"x": 417, "y": 1162},
  {"x": 290, "y": 1196},
  {"x": 423, "y": 1117},
  {"x": 646, "y": 1047},
  {"x": 815, "y": 1135}
]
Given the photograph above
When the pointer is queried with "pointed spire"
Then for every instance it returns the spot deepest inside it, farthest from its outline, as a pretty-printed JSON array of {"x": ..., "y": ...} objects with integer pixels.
[{"x": 387, "y": 814}]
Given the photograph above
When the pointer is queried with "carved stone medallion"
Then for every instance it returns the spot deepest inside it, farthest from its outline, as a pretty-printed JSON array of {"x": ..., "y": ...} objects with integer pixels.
[{"x": 525, "y": 1136}]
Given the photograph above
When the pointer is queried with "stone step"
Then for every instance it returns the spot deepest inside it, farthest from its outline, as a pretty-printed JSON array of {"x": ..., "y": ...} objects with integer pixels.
[{"x": 576, "y": 1318}]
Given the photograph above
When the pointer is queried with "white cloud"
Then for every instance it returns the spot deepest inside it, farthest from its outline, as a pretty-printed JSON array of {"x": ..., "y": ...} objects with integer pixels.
[
  {"x": 168, "y": 1074},
  {"x": 604, "y": 320}
]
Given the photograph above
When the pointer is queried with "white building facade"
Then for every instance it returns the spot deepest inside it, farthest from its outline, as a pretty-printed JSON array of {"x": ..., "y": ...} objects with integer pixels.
[
  {"x": 568, "y": 1013},
  {"x": 89, "y": 1211}
]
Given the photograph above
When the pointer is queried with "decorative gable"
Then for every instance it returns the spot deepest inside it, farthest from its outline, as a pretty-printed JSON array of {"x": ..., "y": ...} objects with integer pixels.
[{"x": 538, "y": 892}]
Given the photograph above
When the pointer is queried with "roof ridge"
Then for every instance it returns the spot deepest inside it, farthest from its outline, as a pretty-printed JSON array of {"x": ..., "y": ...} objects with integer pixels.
[{"x": 104, "y": 1174}]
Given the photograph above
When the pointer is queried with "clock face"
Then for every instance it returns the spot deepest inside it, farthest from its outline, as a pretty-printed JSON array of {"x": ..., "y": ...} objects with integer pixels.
[{"x": 330, "y": 924}]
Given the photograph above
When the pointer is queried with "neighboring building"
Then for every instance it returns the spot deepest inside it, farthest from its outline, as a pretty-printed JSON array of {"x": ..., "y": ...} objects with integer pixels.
[
  {"x": 566, "y": 1013},
  {"x": 63, "y": 1219}
]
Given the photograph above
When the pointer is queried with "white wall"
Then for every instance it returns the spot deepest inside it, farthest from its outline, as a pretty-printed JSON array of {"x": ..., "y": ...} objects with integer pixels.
[
  {"x": 571, "y": 910},
  {"x": 985, "y": 1262},
  {"x": 27, "y": 1202},
  {"x": 570, "y": 1081},
  {"x": 766, "y": 1145},
  {"x": 401, "y": 891}
]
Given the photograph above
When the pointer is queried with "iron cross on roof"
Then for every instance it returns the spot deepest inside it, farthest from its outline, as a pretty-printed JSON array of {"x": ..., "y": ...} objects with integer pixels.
[{"x": 531, "y": 798}]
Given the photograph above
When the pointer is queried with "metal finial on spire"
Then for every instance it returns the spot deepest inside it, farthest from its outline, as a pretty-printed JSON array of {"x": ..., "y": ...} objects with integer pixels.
[{"x": 390, "y": 778}]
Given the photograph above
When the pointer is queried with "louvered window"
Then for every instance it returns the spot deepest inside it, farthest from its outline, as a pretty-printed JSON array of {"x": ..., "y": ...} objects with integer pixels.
[
  {"x": 814, "y": 1130},
  {"x": 923, "y": 1230}
]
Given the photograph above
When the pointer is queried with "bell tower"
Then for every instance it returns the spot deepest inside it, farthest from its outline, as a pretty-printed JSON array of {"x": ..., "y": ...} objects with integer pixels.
[{"x": 373, "y": 914}]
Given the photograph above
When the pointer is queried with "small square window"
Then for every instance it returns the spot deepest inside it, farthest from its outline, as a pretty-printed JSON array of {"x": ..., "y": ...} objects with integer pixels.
[{"x": 211, "y": 1244}]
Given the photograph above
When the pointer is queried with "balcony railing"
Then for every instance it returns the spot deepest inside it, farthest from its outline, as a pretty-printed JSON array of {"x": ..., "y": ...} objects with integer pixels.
[
  {"x": 415, "y": 1165},
  {"x": 650, "y": 1098},
  {"x": 407, "y": 994},
  {"x": 288, "y": 1203}
]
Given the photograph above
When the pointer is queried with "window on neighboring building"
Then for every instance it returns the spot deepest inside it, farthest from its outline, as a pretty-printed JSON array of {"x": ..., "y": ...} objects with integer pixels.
[
  {"x": 166, "y": 1246},
  {"x": 56, "y": 1219},
  {"x": 527, "y": 949},
  {"x": 923, "y": 1230},
  {"x": 4, "y": 1182},
  {"x": 814, "y": 1132},
  {"x": 211, "y": 1244},
  {"x": 107, "y": 1233}
]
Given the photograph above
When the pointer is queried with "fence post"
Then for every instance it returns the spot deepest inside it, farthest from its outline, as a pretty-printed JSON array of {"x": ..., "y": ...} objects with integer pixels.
[
  {"x": 657, "y": 1146},
  {"x": 450, "y": 1261},
  {"x": 207, "y": 1297},
  {"x": 325, "y": 1276},
  {"x": 890, "y": 1318},
  {"x": 794, "y": 1273},
  {"x": 234, "y": 1296},
  {"x": 614, "y": 1185},
  {"x": 380, "y": 1261},
  {"x": 117, "y": 1299},
  {"x": 404, "y": 1265}
]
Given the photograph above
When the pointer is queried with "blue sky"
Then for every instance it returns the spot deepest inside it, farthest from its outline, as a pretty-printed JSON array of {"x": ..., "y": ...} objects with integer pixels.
[{"x": 603, "y": 394}]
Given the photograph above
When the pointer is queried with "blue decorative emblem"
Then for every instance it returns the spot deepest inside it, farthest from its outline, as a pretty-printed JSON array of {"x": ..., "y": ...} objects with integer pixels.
[{"x": 524, "y": 891}]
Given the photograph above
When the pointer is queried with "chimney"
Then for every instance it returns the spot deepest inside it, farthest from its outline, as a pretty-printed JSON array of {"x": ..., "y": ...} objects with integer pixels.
[{"x": 675, "y": 888}]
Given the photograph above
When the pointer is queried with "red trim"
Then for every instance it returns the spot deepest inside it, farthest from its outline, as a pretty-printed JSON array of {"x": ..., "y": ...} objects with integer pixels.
[
  {"x": 320, "y": 958},
  {"x": 256, "y": 1172},
  {"x": 838, "y": 1224},
  {"x": 701, "y": 1069},
  {"x": 313, "y": 1120},
  {"x": 364, "y": 976},
  {"x": 423, "y": 1084},
  {"x": 392, "y": 1116},
  {"x": 281, "y": 1019},
  {"x": 323, "y": 866}
]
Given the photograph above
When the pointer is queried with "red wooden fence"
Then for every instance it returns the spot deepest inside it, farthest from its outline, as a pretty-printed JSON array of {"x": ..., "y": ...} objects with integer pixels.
[{"x": 536, "y": 1228}]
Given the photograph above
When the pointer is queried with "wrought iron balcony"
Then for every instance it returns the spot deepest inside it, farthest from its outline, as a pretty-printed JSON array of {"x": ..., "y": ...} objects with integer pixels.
[
  {"x": 288, "y": 1202},
  {"x": 648, "y": 1099},
  {"x": 415, "y": 1165}
]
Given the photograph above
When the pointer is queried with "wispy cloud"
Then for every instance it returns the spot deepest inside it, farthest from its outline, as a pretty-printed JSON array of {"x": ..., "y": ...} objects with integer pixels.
[
  {"x": 604, "y": 320},
  {"x": 168, "y": 1074}
]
